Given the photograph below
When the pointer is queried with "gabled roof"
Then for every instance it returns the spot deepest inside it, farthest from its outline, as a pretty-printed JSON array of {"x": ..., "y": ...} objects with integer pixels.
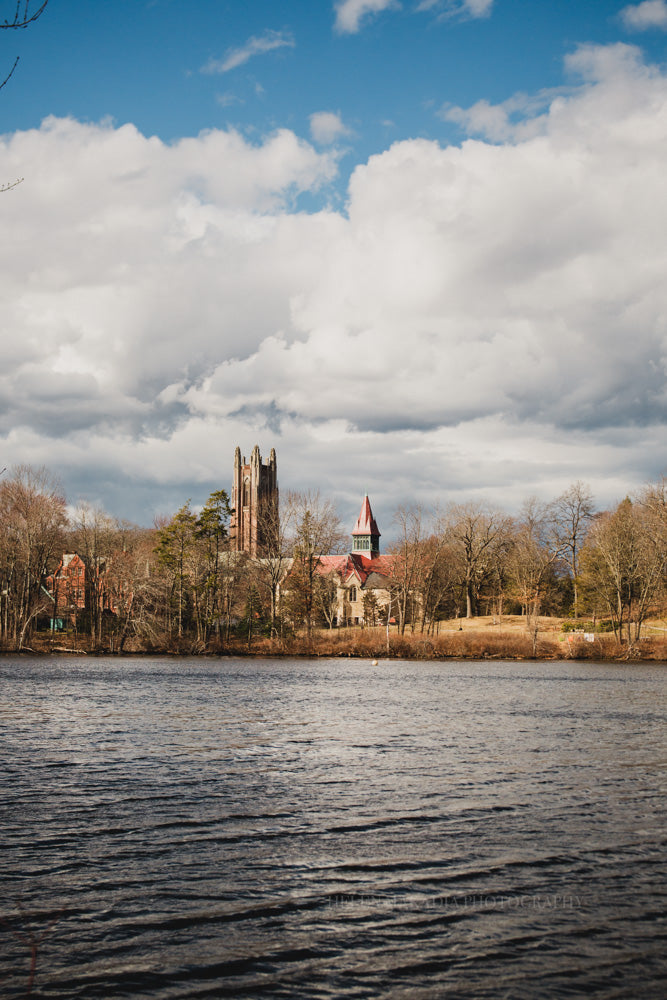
[
  {"x": 356, "y": 564},
  {"x": 366, "y": 523}
]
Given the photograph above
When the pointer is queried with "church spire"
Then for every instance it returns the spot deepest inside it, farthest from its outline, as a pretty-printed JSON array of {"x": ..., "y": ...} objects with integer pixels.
[{"x": 366, "y": 534}]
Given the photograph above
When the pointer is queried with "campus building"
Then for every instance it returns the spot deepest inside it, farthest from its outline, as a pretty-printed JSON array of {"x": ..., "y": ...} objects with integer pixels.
[
  {"x": 254, "y": 502},
  {"x": 362, "y": 576},
  {"x": 359, "y": 580}
]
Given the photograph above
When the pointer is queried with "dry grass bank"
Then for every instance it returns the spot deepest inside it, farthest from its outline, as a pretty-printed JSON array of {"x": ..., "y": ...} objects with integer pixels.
[
  {"x": 478, "y": 638},
  {"x": 481, "y": 638}
]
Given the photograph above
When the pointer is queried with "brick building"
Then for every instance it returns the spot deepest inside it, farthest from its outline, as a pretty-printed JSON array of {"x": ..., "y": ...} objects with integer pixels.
[
  {"x": 74, "y": 585},
  {"x": 254, "y": 502}
]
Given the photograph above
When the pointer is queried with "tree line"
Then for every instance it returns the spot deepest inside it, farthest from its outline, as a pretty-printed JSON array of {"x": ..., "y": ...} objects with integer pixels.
[
  {"x": 563, "y": 558},
  {"x": 178, "y": 585}
]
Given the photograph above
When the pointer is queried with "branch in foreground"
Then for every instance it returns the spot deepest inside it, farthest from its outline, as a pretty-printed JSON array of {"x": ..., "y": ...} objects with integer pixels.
[
  {"x": 22, "y": 18},
  {"x": 10, "y": 74}
]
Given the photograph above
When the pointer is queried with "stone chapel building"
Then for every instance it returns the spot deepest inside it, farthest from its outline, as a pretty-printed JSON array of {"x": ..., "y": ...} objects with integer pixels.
[{"x": 363, "y": 576}]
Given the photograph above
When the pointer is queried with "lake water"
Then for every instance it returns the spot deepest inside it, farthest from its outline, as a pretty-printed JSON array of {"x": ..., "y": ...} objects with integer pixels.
[{"x": 175, "y": 828}]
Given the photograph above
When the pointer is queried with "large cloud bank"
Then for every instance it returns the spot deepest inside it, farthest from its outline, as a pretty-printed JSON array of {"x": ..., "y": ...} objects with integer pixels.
[{"x": 490, "y": 317}]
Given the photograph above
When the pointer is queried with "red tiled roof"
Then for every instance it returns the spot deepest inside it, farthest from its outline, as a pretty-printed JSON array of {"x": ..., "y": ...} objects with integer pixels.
[
  {"x": 355, "y": 564},
  {"x": 366, "y": 524}
]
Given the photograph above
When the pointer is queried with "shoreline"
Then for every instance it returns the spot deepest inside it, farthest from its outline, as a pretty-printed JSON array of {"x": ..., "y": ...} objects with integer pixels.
[
  {"x": 371, "y": 644},
  {"x": 646, "y": 651}
]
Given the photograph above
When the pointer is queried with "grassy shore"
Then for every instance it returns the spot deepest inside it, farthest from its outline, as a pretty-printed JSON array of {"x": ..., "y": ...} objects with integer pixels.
[{"x": 478, "y": 638}]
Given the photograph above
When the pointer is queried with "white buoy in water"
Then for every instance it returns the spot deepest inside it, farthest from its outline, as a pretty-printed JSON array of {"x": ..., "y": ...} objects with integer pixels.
[{"x": 374, "y": 663}]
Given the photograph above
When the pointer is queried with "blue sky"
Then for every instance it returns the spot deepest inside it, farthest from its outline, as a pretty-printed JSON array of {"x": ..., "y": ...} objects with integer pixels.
[
  {"x": 161, "y": 65},
  {"x": 417, "y": 247}
]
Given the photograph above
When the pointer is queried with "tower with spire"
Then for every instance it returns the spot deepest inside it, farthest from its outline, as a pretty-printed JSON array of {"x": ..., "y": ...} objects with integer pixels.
[{"x": 366, "y": 534}]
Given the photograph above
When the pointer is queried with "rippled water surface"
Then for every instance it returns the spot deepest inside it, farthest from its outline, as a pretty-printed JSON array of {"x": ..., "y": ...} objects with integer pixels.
[{"x": 211, "y": 828}]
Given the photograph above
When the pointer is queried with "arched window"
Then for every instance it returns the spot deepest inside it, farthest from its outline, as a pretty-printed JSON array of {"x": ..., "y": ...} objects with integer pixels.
[{"x": 353, "y": 594}]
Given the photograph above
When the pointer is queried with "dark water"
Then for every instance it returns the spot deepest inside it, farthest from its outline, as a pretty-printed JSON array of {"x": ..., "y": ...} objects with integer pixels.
[{"x": 189, "y": 828}]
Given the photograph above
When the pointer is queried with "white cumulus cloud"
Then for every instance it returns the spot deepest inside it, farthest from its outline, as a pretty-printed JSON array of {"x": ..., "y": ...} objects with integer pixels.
[
  {"x": 483, "y": 317},
  {"x": 642, "y": 16}
]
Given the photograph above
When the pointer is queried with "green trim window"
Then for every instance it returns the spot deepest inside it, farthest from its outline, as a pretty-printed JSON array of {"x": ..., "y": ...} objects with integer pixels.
[{"x": 362, "y": 543}]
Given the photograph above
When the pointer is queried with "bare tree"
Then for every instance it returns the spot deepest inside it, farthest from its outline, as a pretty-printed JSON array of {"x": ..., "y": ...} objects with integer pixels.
[
  {"x": 654, "y": 501},
  {"x": 95, "y": 540},
  {"x": 624, "y": 563},
  {"x": 276, "y": 529},
  {"x": 32, "y": 522},
  {"x": 407, "y": 562},
  {"x": 571, "y": 514},
  {"x": 440, "y": 583},
  {"x": 316, "y": 532},
  {"x": 422, "y": 574},
  {"x": 534, "y": 553},
  {"x": 476, "y": 531},
  {"x": 133, "y": 587},
  {"x": 23, "y": 14}
]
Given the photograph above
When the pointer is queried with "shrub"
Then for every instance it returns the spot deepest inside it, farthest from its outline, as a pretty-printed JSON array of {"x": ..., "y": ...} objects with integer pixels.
[{"x": 579, "y": 626}]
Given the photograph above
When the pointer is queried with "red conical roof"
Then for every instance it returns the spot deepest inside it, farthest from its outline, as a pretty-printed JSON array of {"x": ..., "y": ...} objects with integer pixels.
[{"x": 366, "y": 524}]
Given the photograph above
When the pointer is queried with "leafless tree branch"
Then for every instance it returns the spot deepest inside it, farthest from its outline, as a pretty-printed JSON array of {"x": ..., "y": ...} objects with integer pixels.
[{"x": 22, "y": 16}]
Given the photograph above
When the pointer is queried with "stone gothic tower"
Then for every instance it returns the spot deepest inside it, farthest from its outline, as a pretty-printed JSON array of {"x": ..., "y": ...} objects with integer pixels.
[{"x": 254, "y": 503}]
